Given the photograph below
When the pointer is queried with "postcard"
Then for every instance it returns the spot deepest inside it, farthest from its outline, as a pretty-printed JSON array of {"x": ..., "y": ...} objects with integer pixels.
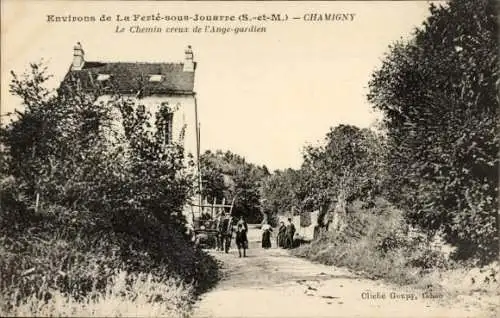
[{"x": 249, "y": 158}]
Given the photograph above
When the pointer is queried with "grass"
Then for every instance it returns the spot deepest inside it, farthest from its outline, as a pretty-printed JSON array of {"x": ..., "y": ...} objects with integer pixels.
[
  {"x": 464, "y": 280},
  {"x": 56, "y": 277},
  {"x": 362, "y": 258},
  {"x": 126, "y": 295},
  {"x": 377, "y": 245},
  {"x": 478, "y": 287}
]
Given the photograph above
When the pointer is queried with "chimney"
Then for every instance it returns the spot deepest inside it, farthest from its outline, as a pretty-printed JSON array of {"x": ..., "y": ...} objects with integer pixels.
[
  {"x": 78, "y": 57},
  {"x": 188, "y": 60}
]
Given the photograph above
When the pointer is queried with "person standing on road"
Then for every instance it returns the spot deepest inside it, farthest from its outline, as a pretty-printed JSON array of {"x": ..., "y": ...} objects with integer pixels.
[
  {"x": 241, "y": 239},
  {"x": 220, "y": 231},
  {"x": 266, "y": 235},
  {"x": 281, "y": 237},
  {"x": 227, "y": 233},
  {"x": 290, "y": 232}
]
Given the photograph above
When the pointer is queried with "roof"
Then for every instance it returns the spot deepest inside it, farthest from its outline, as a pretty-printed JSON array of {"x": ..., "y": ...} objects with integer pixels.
[{"x": 132, "y": 78}]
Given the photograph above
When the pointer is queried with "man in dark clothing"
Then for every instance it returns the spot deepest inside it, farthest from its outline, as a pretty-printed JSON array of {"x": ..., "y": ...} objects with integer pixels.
[
  {"x": 220, "y": 231},
  {"x": 290, "y": 232},
  {"x": 241, "y": 239},
  {"x": 227, "y": 233}
]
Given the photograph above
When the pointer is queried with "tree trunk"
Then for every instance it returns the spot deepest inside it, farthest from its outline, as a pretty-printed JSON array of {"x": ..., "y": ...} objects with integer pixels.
[
  {"x": 339, "y": 213},
  {"x": 323, "y": 215}
]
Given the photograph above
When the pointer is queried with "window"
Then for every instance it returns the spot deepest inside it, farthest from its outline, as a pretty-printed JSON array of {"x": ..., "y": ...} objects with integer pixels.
[
  {"x": 166, "y": 117},
  {"x": 103, "y": 81},
  {"x": 156, "y": 78},
  {"x": 168, "y": 130},
  {"x": 103, "y": 77}
]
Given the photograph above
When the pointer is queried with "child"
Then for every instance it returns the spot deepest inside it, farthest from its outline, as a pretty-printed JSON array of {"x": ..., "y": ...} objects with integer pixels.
[{"x": 241, "y": 239}]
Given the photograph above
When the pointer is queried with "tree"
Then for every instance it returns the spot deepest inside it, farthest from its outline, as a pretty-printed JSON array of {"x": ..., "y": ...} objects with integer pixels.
[
  {"x": 69, "y": 174},
  {"x": 280, "y": 192},
  {"x": 349, "y": 165},
  {"x": 55, "y": 141},
  {"x": 438, "y": 93},
  {"x": 228, "y": 175}
]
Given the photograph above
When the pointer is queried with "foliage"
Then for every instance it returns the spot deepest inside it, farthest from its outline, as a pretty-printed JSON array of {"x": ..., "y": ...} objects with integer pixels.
[
  {"x": 377, "y": 242},
  {"x": 130, "y": 295},
  {"x": 438, "y": 93},
  {"x": 282, "y": 192},
  {"x": 94, "y": 189},
  {"x": 348, "y": 166},
  {"x": 228, "y": 176}
]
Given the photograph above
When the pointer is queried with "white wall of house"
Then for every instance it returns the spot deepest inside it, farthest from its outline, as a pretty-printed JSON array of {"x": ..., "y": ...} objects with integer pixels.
[
  {"x": 183, "y": 116},
  {"x": 305, "y": 232}
]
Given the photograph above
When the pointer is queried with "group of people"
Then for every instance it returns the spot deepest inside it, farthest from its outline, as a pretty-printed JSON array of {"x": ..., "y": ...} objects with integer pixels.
[
  {"x": 225, "y": 227},
  {"x": 285, "y": 237}
]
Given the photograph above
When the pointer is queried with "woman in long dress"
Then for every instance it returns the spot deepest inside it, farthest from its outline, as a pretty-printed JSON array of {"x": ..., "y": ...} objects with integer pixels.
[
  {"x": 266, "y": 235},
  {"x": 281, "y": 237}
]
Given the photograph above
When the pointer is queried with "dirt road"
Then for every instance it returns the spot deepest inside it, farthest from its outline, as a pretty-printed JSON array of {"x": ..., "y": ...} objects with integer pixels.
[{"x": 271, "y": 283}]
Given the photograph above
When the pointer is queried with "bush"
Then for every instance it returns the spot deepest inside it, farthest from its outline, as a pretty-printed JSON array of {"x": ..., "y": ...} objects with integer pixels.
[
  {"x": 429, "y": 259},
  {"x": 378, "y": 243},
  {"x": 139, "y": 295},
  {"x": 82, "y": 203},
  {"x": 439, "y": 95},
  {"x": 73, "y": 265}
]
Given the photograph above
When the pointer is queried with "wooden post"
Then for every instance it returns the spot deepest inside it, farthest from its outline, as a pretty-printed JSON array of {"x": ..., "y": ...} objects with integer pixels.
[
  {"x": 37, "y": 198},
  {"x": 232, "y": 204},
  {"x": 199, "y": 160},
  {"x": 197, "y": 126},
  {"x": 213, "y": 207},
  {"x": 36, "y": 201}
]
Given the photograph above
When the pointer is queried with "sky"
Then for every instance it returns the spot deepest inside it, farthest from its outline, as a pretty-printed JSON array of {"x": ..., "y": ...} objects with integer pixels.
[{"x": 261, "y": 95}]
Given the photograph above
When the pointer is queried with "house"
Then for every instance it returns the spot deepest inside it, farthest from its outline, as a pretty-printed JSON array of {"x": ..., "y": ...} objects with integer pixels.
[{"x": 149, "y": 84}]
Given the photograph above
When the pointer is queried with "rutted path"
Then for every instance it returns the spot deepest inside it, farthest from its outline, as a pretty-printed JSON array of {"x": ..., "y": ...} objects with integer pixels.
[{"x": 271, "y": 283}]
